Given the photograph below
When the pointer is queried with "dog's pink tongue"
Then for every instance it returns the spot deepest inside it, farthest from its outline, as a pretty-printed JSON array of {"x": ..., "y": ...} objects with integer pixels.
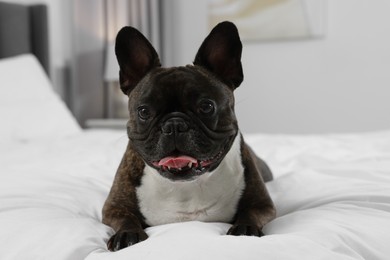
[{"x": 177, "y": 162}]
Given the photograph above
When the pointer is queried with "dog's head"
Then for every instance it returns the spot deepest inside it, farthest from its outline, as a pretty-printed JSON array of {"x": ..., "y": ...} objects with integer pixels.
[{"x": 182, "y": 119}]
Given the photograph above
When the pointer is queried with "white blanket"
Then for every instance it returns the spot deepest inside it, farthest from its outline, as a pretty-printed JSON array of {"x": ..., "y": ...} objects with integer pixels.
[{"x": 332, "y": 195}]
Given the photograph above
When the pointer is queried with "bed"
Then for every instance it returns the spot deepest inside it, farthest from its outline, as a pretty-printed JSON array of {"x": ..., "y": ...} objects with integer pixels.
[{"x": 332, "y": 192}]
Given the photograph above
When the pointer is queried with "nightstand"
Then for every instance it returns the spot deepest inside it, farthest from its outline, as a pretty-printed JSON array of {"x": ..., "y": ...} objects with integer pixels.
[{"x": 111, "y": 123}]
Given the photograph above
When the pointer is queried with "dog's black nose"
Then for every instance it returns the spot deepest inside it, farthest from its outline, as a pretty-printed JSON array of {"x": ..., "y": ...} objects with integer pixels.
[{"x": 174, "y": 125}]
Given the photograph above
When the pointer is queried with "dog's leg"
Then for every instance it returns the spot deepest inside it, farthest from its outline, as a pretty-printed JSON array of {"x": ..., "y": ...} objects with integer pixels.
[
  {"x": 255, "y": 208},
  {"x": 121, "y": 210}
]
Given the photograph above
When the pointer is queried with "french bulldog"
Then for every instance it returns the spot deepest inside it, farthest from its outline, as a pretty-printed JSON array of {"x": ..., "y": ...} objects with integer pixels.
[{"x": 186, "y": 159}]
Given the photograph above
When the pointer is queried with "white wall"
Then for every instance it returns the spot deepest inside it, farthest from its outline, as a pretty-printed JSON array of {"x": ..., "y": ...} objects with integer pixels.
[
  {"x": 337, "y": 84},
  {"x": 185, "y": 25}
]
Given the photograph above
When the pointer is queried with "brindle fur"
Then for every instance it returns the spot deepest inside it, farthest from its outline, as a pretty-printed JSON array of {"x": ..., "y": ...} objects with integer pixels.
[{"x": 121, "y": 211}]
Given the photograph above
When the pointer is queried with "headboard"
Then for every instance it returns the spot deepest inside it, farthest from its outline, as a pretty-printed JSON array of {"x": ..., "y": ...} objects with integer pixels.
[{"x": 24, "y": 29}]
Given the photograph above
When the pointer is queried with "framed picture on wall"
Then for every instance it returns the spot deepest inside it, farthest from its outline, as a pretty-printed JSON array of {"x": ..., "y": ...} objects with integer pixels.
[{"x": 261, "y": 20}]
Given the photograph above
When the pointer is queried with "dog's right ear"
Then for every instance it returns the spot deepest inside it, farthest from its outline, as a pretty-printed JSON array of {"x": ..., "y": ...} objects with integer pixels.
[
  {"x": 136, "y": 57},
  {"x": 220, "y": 53}
]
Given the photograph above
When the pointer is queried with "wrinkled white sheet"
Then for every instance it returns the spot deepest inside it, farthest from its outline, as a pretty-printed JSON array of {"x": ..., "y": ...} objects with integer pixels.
[{"x": 332, "y": 195}]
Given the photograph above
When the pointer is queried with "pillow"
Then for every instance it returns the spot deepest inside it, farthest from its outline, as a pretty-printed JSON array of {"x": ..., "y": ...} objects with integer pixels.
[{"x": 29, "y": 107}]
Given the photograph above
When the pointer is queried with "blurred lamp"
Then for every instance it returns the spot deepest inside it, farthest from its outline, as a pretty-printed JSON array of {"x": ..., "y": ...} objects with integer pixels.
[
  {"x": 115, "y": 100},
  {"x": 111, "y": 72}
]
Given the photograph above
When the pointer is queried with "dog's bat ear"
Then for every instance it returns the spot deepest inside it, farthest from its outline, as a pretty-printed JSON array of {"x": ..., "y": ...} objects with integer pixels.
[
  {"x": 136, "y": 57},
  {"x": 220, "y": 53}
]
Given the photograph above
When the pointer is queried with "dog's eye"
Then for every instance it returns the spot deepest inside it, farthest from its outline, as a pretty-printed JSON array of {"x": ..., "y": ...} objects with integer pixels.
[
  {"x": 206, "y": 107},
  {"x": 144, "y": 113}
]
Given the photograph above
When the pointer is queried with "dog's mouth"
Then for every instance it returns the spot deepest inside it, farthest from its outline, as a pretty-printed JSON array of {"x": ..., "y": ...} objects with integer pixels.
[{"x": 184, "y": 167}]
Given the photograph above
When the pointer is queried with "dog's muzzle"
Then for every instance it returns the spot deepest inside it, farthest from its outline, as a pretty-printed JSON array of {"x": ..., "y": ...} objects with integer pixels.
[{"x": 174, "y": 126}]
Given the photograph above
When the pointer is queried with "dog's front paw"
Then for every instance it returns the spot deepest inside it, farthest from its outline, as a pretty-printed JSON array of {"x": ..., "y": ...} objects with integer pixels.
[
  {"x": 126, "y": 238},
  {"x": 245, "y": 230}
]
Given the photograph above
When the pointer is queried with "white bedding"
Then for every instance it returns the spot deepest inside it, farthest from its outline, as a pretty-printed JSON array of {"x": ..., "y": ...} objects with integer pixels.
[{"x": 332, "y": 195}]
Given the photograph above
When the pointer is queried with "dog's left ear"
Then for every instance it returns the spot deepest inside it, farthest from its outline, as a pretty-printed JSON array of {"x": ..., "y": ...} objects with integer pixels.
[{"x": 220, "y": 53}]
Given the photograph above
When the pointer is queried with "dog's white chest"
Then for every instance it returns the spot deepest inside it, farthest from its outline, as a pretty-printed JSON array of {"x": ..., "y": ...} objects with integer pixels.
[{"x": 212, "y": 197}]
